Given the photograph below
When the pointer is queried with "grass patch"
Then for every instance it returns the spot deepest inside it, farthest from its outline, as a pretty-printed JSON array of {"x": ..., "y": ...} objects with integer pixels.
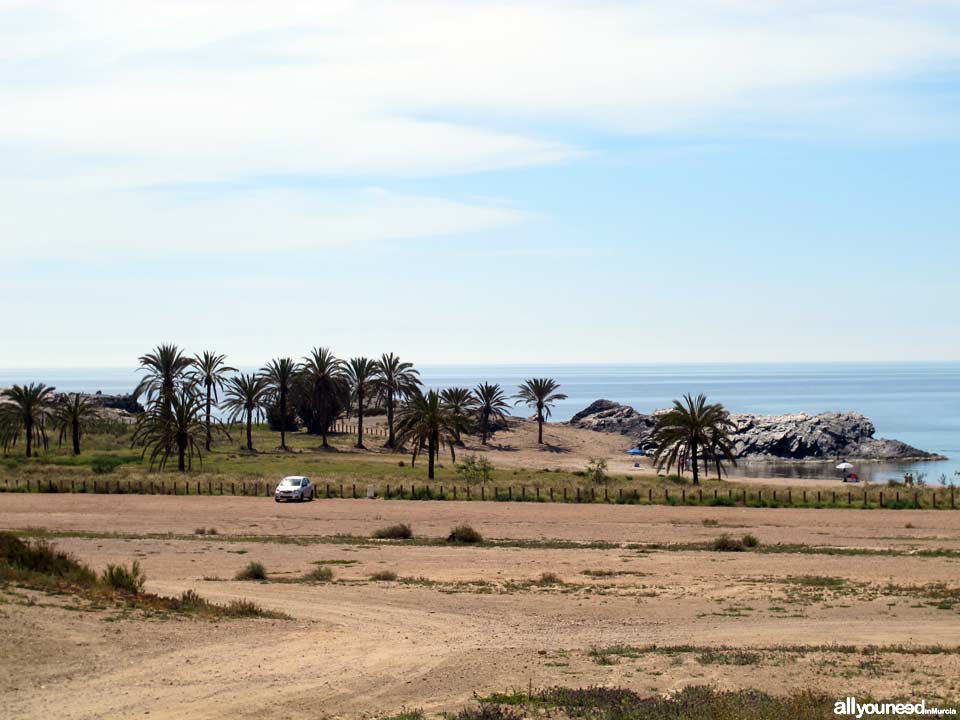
[
  {"x": 38, "y": 566},
  {"x": 253, "y": 571},
  {"x": 321, "y": 573},
  {"x": 400, "y": 531},
  {"x": 120, "y": 578},
  {"x": 549, "y": 578},
  {"x": 464, "y": 534},
  {"x": 690, "y": 703},
  {"x": 384, "y": 576},
  {"x": 728, "y": 657},
  {"x": 725, "y": 543}
]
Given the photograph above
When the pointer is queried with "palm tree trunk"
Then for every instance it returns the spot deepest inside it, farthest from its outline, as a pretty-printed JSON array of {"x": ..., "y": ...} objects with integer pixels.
[
  {"x": 323, "y": 432},
  {"x": 539, "y": 427},
  {"x": 484, "y": 422},
  {"x": 431, "y": 448},
  {"x": 391, "y": 440},
  {"x": 76, "y": 436},
  {"x": 181, "y": 454},
  {"x": 359, "y": 418},
  {"x": 209, "y": 437},
  {"x": 283, "y": 419},
  {"x": 249, "y": 429},
  {"x": 696, "y": 469},
  {"x": 28, "y": 425}
]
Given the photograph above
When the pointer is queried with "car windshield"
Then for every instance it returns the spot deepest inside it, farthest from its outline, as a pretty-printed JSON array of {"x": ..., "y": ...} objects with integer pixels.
[{"x": 292, "y": 481}]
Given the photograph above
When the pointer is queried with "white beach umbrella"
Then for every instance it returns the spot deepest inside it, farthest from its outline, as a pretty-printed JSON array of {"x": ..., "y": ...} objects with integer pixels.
[{"x": 845, "y": 466}]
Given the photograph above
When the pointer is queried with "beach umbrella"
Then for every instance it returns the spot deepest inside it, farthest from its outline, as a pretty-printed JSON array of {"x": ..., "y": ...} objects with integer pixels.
[{"x": 845, "y": 466}]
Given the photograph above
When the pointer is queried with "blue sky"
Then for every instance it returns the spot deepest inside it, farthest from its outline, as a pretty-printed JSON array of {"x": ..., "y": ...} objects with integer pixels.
[{"x": 699, "y": 180}]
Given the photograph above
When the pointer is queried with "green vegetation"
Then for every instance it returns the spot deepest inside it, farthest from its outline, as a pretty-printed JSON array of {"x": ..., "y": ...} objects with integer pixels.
[
  {"x": 690, "y": 703},
  {"x": 426, "y": 421},
  {"x": 384, "y": 576},
  {"x": 37, "y": 565},
  {"x": 120, "y": 578},
  {"x": 321, "y": 573},
  {"x": 539, "y": 394},
  {"x": 692, "y": 430},
  {"x": 24, "y": 410},
  {"x": 75, "y": 417},
  {"x": 490, "y": 408},
  {"x": 400, "y": 531},
  {"x": 464, "y": 534},
  {"x": 725, "y": 543},
  {"x": 253, "y": 571}
]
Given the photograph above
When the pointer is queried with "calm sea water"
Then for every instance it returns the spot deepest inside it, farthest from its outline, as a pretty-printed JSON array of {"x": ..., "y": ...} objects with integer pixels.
[{"x": 918, "y": 403}]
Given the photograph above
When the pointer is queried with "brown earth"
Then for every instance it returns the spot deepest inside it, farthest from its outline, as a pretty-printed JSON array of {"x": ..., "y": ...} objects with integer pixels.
[{"x": 474, "y": 619}]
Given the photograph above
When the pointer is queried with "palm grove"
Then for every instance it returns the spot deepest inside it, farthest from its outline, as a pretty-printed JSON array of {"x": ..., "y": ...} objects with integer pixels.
[{"x": 182, "y": 393}]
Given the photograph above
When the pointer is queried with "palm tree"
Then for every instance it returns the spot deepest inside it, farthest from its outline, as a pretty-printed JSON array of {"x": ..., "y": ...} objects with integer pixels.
[
  {"x": 687, "y": 428},
  {"x": 460, "y": 402},
  {"x": 362, "y": 374},
  {"x": 166, "y": 368},
  {"x": 25, "y": 411},
  {"x": 426, "y": 421},
  {"x": 398, "y": 380},
  {"x": 720, "y": 446},
  {"x": 210, "y": 372},
  {"x": 178, "y": 428},
  {"x": 244, "y": 398},
  {"x": 491, "y": 406},
  {"x": 539, "y": 393},
  {"x": 279, "y": 374},
  {"x": 73, "y": 416},
  {"x": 325, "y": 379}
]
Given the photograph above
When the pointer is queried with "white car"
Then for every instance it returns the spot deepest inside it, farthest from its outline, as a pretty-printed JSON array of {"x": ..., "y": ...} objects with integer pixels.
[{"x": 294, "y": 487}]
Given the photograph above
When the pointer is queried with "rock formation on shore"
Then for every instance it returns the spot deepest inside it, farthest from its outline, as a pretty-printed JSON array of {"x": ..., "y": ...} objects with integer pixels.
[{"x": 796, "y": 436}]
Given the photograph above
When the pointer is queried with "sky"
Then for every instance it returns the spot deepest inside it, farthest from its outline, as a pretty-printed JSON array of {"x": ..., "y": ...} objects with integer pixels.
[{"x": 464, "y": 182}]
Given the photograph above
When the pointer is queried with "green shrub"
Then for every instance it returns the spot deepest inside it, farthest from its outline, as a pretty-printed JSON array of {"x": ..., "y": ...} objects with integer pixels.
[
  {"x": 597, "y": 470},
  {"x": 253, "y": 571},
  {"x": 725, "y": 543},
  {"x": 400, "y": 531},
  {"x": 464, "y": 534},
  {"x": 475, "y": 469},
  {"x": 104, "y": 464},
  {"x": 120, "y": 578},
  {"x": 39, "y": 557},
  {"x": 749, "y": 541},
  {"x": 384, "y": 576},
  {"x": 549, "y": 578},
  {"x": 319, "y": 574}
]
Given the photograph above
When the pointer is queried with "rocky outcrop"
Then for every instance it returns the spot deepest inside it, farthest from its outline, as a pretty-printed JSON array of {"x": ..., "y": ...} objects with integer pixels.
[
  {"x": 796, "y": 436},
  {"x": 116, "y": 408}
]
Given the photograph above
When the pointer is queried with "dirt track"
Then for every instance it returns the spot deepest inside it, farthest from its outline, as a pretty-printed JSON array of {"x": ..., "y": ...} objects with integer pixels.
[{"x": 469, "y": 619}]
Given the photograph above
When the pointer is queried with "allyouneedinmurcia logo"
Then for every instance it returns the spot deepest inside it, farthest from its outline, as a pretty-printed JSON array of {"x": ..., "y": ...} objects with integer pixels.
[{"x": 850, "y": 706}]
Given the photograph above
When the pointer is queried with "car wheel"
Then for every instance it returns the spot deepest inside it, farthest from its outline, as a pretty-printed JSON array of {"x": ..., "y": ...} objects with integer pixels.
[{"x": 276, "y": 499}]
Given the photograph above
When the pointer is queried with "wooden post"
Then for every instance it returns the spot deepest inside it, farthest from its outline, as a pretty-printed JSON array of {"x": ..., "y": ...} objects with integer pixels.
[
  {"x": 578, "y": 493},
  {"x": 650, "y": 494},
  {"x": 834, "y": 497},
  {"x": 621, "y": 494},
  {"x": 683, "y": 495},
  {"x": 483, "y": 493},
  {"x": 551, "y": 494},
  {"x": 354, "y": 491},
  {"x": 468, "y": 492},
  {"x": 341, "y": 491},
  {"x": 864, "y": 497},
  {"x": 666, "y": 494},
  {"x": 593, "y": 494},
  {"x": 881, "y": 498},
  {"x": 774, "y": 495},
  {"x": 849, "y": 498},
  {"x": 510, "y": 492},
  {"x": 700, "y": 494},
  {"x": 605, "y": 497},
  {"x": 564, "y": 494},
  {"x": 523, "y": 492}
]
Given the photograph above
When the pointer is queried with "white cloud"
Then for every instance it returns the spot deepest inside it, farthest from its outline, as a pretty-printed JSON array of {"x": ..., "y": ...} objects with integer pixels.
[
  {"x": 120, "y": 224},
  {"x": 211, "y": 90}
]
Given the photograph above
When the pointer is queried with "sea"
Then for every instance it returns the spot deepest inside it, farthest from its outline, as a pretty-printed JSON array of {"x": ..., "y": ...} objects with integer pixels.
[{"x": 918, "y": 403}]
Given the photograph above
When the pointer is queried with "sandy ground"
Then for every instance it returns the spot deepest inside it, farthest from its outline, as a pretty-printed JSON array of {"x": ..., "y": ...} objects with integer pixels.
[{"x": 469, "y": 619}]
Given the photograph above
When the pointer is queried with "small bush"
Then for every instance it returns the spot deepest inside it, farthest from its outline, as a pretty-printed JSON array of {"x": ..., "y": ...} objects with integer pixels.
[
  {"x": 400, "y": 531},
  {"x": 725, "y": 543},
  {"x": 39, "y": 557},
  {"x": 490, "y": 711},
  {"x": 401, "y": 463},
  {"x": 200, "y": 531},
  {"x": 104, "y": 464},
  {"x": 549, "y": 578},
  {"x": 475, "y": 469},
  {"x": 119, "y": 578},
  {"x": 750, "y": 541},
  {"x": 190, "y": 600},
  {"x": 710, "y": 522},
  {"x": 253, "y": 571},
  {"x": 597, "y": 470},
  {"x": 245, "y": 608},
  {"x": 464, "y": 534},
  {"x": 319, "y": 574},
  {"x": 384, "y": 576}
]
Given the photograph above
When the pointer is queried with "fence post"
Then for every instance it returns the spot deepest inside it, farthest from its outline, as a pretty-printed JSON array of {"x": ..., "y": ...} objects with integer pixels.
[
  {"x": 483, "y": 493},
  {"x": 916, "y": 498},
  {"x": 578, "y": 493},
  {"x": 551, "y": 494},
  {"x": 468, "y": 492},
  {"x": 700, "y": 494},
  {"x": 354, "y": 491},
  {"x": 666, "y": 494},
  {"x": 683, "y": 495},
  {"x": 341, "y": 491},
  {"x": 454, "y": 492},
  {"x": 564, "y": 494},
  {"x": 834, "y": 496},
  {"x": 953, "y": 504},
  {"x": 864, "y": 497},
  {"x": 523, "y": 492},
  {"x": 881, "y": 498},
  {"x": 849, "y": 498},
  {"x": 593, "y": 494},
  {"x": 510, "y": 492},
  {"x": 621, "y": 494},
  {"x": 650, "y": 495}
]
